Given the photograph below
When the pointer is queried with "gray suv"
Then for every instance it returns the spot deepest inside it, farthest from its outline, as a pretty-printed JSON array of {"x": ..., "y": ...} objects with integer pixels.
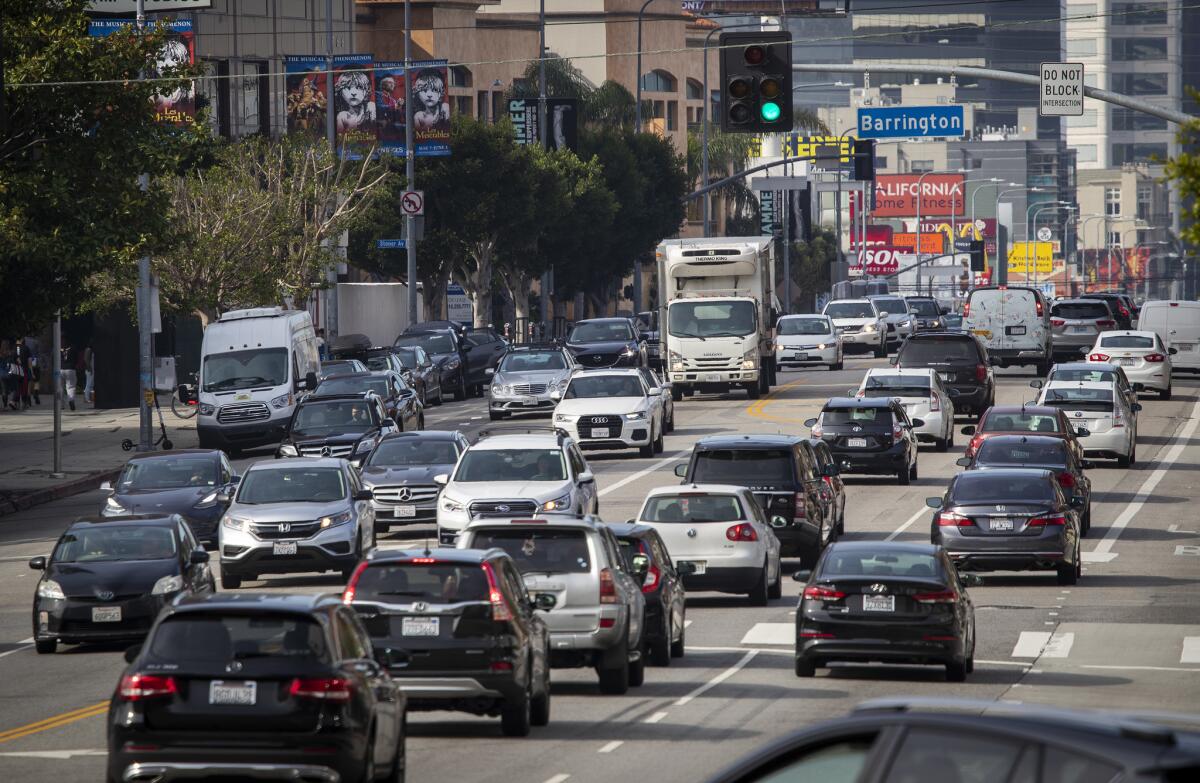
[
  {"x": 1076, "y": 323},
  {"x": 598, "y": 618},
  {"x": 526, "y": 378}
]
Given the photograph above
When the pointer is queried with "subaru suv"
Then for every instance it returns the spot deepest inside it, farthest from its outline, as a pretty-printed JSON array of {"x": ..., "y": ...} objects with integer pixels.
[
  {"x": 598, "y": 616},
  {"x": 400, "y": 472},
  {"x": 515, "y": 471},
  {"x": 343, "y": 425}
]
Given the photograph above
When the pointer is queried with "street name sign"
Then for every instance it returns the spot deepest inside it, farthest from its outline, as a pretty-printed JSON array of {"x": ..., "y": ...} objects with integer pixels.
[
  {"x": 908, "y": 122},
  {"x": 1060, "y": 91},
  {"x": 391, "y": 244}
]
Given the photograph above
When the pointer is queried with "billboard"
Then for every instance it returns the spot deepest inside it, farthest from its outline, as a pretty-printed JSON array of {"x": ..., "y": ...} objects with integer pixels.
[
  {"x": 896, "y": 195},
  {"x": 982, "y": 228},
  {"x": 931, "y": 244},
  {"x": 877, "y": 236},
  {"x": 884, "y": 260},
  {"x": 151, "y": 6},
  {"x": 1028, "y": 257},
  {"x": 306, "y": 93},
  {"x": 177, "y": 107},
  {"x": 354, "y": 105},
  {"x": 795, "y": 146},
  {"x": 561, "y": 118}
]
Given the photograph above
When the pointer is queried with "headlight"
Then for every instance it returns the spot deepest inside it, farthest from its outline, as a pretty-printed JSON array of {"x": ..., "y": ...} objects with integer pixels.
[
  {"x": 366, "y": 444},
  {"x": 111, "y": 506},
  {"x": 822, "y": 346},
  {"x": 936, "y": 324},
  {"x": 905, "y": 324},
  {"x": 501, "y": 390},
  {"x": 335, "y": 519},
  {"x": 234, "y": 523},
  {"x": 869, "y": 328},
  {"x": 209, "y": 500},
  {"x": 206, "y": 409},
  {"x": 628, "y": 351},
  {"x": 558, "y": 504},
  {"x": 451, "y": 364},
  {"x": 288, "y": 450},
  {"x": 168, "y": 584},
  {"x": 48, "y": 588},
  {"x": 636, "y": 416},
  {"x": 282, "y": 401},
  {"x": 564, "y": 418},
  {"x": 676, "y": 360},
  {"x": 750, "y": 359},
  {"x": 452, "y": 505}
]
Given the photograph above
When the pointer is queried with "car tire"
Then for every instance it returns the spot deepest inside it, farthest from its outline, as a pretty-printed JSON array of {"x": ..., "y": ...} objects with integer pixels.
[
  {"x": 805, "y": 668},
  {"x": 941, "y": 444},
  {"x": 230, "y": 582},
  {"x": 913, "y": 471},
  {"x": 1068, "y": 573},
  {"x": 956, "y": 671},
  {"x": 614, "y": 671},
  {"x": 660, "y": 648},
  {"x": 776, "y": 588},
  {"x": 658, "y": 443},
  {"x": 760, "y": 594},
  {"x": 399, "y": 759},
  {"x": 516, "y": 715},
  {"x": 677, "y": 647},
  {"x": 539, "y": 708},
  {"x": 676, "y": 393},
  {"x": 637, "y": 668},
  {"x": 1165, "y": 394},
  {"x": 838, "y": 365},
  {"x": 1086, "y": 523},
  {"x": 904, "y": 476},
  {"x": 441, "y": 396},
  {"x": 669, "y": 426},
  {"x": 841, "y": 525},
  {"x": 45, "y": 646},
  {"x": 497, "y": 416},
  {"x": 881, "y": 350},
  {"x": 647, "y": 450},
  {"x": 421, "y": 422},
  {"x": 950, "y": 440},
  {"x": 1124, "y": 460},
  {"x": 1043, "y": 368}
]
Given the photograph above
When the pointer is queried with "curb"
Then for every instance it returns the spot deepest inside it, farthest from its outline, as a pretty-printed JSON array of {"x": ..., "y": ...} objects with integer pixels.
[{"x": 14, "y": 503}]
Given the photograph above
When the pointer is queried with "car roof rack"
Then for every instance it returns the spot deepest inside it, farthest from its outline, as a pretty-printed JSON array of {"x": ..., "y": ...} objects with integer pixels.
[{"x": 522, "y": 429}]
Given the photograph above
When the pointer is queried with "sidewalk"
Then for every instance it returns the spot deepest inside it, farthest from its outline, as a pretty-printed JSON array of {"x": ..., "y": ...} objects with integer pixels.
[{"x": 91, "y": 450}]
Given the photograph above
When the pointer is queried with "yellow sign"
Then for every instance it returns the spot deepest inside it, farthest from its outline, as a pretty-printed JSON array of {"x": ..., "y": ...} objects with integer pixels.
[
  {"x": 1040, "y": 253},
  {"x": 795, "y": 146}
]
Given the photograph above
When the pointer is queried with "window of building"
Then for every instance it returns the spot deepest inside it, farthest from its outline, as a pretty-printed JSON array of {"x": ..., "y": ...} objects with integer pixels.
[
  {"x": 1140, "y": 83},
  {"x": 1114, "y": 238},
  {"x": 1112, "y": 201},
  {"x": 462, "y": 105},
  {"x": 921, "y": 166},
  {"x": 1142, "y": 12},
  {"x": 1085, "y": 120},
  {"x": 695, "y": 90},
  {"x": 659, "y": 81},
  {"x": 1145, "y": 200},
  {"x": 1085, "y": 153},
  {"x": 1139, "y": 49},
  {"x": 254, "y": 95},
  {"x": 1131, "y": 120},
  {"x": 212, "y": 96},
  {"x": 1076, "y": 10},
  {"x": 1138, "y": 153},
  {"x": 460, "y": 76},
  {"x": 1081, "y": 47},
  {"x": 672, "y": 115},
  {"x": 498, "y": 108},
  {"x": 481, "y": 104}
]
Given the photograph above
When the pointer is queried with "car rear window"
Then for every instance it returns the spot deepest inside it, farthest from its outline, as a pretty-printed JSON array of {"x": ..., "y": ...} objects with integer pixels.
[
  {"x": 690, "y": 508},
  {"x": 428, "y": 582},
  {"x": 1079, "y": 399},
  {"x": 1003, "y": 452},
  {"x": 987, "y": 487},
  {"x": 876, "y": 563},
  {"x": 939, "y": 350},
  {"x": 220, "y": 638},
  {"x": 1126, "y": 341},
  {"x": 833, "y": 417},
  {"x": 896, "y": 386},
  {"x": 1080, "y": 310},
  {"x": 1019, "y": 422},
  {"x": 540, "y": 550},
  {"x": 742, "y": 466},
  {"x": 1089, "y": 376}
]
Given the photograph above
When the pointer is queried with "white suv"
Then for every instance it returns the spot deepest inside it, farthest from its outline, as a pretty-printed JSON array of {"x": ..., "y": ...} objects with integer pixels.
[
  {"x": 519, "y": 473},
  {"x": 612, "y": 409}
]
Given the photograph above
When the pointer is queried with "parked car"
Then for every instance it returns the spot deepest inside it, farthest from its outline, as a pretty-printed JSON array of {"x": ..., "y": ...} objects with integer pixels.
[
  {"x": 1103, "y": 411},
  {"x": 401, "y": 403},
  {"x": 662, "y": 584},
  {"x": 598, "y": 617},
  {"x": 245, "y": 687},
  {"x": 421, "y": 373},
  {"x": 400, "y": 473},
  {"x": 485, "y": 348},
  {"x": 526, "y": 378},
  {"x": 1123, "y": 310},
  {"x": 1027, "y": 419},
  {"x": 1141, "y": 355},
  {"x": 859, "y": 325},
  {"x": 1014, "y": 324},
  {"x": 459, "y": 632},
  {"x": 359, "y": 347},
  {"x": 1177, "y": 324},
  {"x": 921, "y": 393},
  {"x": 962, "y": 363},
  {"x": 900, "y": 324},
  {"x": 612, "y": 409},
  {"x": 806, "y": 340},
  {"x": 607, "y": 342},
  {"x": 873, "y": 436},
  {"x": 648, "y": 325},
  {"x": 296, "y": 516},
  {"x": 108, "y": 578},
  {"x": 188, "y": 482},
  {"x": 346, "y": 425},
  {"x": 1091, "y": 371},
  {"x": 459, "y": 375},
  {"x": 1075, "y": 323}
]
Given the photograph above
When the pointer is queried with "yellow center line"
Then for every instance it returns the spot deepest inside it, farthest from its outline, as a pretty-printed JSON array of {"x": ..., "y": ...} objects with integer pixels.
[
  {"x": 54, "y": 722},
  {"x": 757, "y": 408}
]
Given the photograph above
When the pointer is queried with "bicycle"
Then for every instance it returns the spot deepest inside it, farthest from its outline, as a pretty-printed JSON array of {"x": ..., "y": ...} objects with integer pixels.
[{"x": 184, "y": 410}]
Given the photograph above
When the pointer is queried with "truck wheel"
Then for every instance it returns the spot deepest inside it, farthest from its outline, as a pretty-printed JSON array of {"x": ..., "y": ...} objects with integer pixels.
[
  {"x": 752, "y": 391},
  {"x": 676, "y": 393}
]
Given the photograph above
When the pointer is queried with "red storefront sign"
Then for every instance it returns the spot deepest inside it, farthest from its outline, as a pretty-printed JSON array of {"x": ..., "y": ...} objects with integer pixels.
[{"x": 896, "y": 195}]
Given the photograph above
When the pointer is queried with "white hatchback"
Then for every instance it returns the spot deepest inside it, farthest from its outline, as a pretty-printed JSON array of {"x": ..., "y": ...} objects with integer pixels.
[
  {"x": 1141, "y": 354},
  {"x": 924, "y": 397},
  {"x": 1100, "y": 408},
  {"x": 807, "y": 340}
]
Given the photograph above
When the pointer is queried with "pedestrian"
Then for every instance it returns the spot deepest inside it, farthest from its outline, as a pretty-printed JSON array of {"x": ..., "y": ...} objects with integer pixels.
[
  {"x": 34, "y": 376},
  {"x": 88, "y": 359},
  {"x": 9, "y": 379},
  {"x": 321, "y": 353},
  {"x": 68, "y": 356},
  {"x": 23, "y": 361}
]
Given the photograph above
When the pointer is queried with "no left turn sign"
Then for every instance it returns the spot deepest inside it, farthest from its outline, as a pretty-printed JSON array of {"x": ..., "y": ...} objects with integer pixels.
[{"x": 412, "y": 202}]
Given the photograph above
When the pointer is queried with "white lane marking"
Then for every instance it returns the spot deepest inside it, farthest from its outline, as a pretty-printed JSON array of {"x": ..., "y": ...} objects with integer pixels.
[
  {"x": 1143, "y": 668},
  {"x": 1175, "y": 529},
  {"x": 1103, "y": 552},
  {"x": 557, "y": 778},
  {"x": 720, "y": 678},
  {"x": 1002, "y": 663},
  {"x": 920, "y": 513},
  {"x": 611, "y": 746},
  {"x": 687, "y": 623},
  {"x": 655, "y": 718},
  {"x": 635, "y": 476},
  {"x": 1192, "y": 551},
  {"x": 771, "y": 633},
  {"x": 1191, "y": 650},
  {"x": 476, "y": 418},
  {"x": 1030, "y": 644},
  {"x": 1059, "y": 645},
  {"x": 761, "y": 650},
  {"x": 17, "y": 650},
  {"x": 26, "y": 641},
  {"x": 52, "y": 754}
]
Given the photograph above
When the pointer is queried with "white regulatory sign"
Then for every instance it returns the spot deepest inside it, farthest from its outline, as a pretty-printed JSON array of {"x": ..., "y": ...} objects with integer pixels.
[
  {"x": 1044, "y": 234},
  {"x": 1060, "y": 92},
  {"x": 412, "y": 202}
]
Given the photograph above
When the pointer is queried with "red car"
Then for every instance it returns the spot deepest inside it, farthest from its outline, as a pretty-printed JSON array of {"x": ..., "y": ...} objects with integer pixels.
[{"x": 1023, "y": 420}]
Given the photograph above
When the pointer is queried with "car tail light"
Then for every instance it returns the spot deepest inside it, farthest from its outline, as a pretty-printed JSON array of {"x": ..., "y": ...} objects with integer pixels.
[
  {"x": 1106, "y": 323},
  {"x": 500, "y": 609},
  {"x": 800, "y": 505},
  {"x": 821, "y": 593},
  {"x": 608, "y": 622},
  {"x": 1098, "y": 357},
  {"x": 966, "y": 308},
  {"x": 1123, "y": 310},
  {"x": 981, "y": 372},
  {"x": 352, "y": 584},
  {"x": 952, "y": 519},
  {"x": 1040, "y": 311},
  {"x": 939, "y": 597},
  {"x": 653, "y": 573},
  {"x": 741, "y": 532},
  {"x": 325, "y": 688},
  {"x": 935, "y": 403},
  {"x": 974, "y": 445},
  {"x": 140, "y": 687},
  {"x": 608, "y": 588},
  {"x": 1051, "y": 520},
  {"x": 500, "y": 666},
  {"x": 1154, "y": 357},
  {"x": 1057, "y": 322},
  {"x": 817, "y": 431},
  {"x": 1118, "y": 418},
  {"x": 1066, "y": 480},
  {"x": 897, "y": 431},
  {"x": 815, "y": 635}
]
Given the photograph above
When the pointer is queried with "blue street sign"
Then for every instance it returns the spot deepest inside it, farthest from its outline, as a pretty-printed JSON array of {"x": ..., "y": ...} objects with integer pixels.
[
  {"x": 906, "y": 122},
  {"x": 390, "y": 244}
]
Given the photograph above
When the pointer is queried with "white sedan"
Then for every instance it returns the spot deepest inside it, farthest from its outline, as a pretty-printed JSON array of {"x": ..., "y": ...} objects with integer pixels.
[
  {"x": 612, "y": 409},
  {"x": 807, "y": 340},
  {"x": 1142, "y": 355},
  {"x": 1100, "y": 408},
  {"x": 924, "y": 397}
]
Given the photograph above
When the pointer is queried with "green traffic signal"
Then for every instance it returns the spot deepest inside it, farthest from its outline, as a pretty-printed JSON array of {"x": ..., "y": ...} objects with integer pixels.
[{"x": 769, "y": 111}]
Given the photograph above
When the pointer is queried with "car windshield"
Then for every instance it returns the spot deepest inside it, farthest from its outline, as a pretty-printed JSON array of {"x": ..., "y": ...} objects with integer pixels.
[
  {"x": 952, "y": 319},
  {"x": 891, "y": 306},
  {"x": 995, "y": 451},
  {"x": 879, "y": 562},
  {"x": 601, "y": 332},
  {"x": 711, "y": 319},
  {"x": 1088, "y": 311},
  {"x": 742, "y": 466},
  {"x": 926, "y": 308},
  {"x": 511, "y": 465},
  {"x": 255, "y": 368},
  {"x": 1079, "y": 399},
  {"x": 834, "y": 417},
  {"x": 1087, "y": 376},
  {"x": 1019, "y": 422},
  {"x": 218, "y": 639},
  {"x": 408, "y": 451},
  {"x": 849, "y": 310},
  {"x": 340, "y": 366},
  {"x": 432, "y": 343},
  {"x": 435, "y": 583},
  {"x": 813, "y": 326},
  {"x": 540, "y": 551},
  {"x": 986, "y": 487},
  {"x": 331, "y": 386},
  {"x": 336, "y": 416},
  {"x": 115, "y": 542},
  {"x": 592, "y": 386},
  {"x": 378, "y": 361},
  {"x": 292, "y": 485},
  {"x": 693, "y": 507},
  {"x": 168, "y": 473},
  {"x": 937, "y": 351},
  {"x": 533, "y": 361},
  {"x": 1126, "y": 341},
  {"x": 408, "y": 358},
  {"x": 897, "y": 386}
]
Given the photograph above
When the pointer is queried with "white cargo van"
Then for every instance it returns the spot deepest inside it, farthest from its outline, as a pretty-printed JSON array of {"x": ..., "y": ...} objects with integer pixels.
[
  {"x": 1177, "y": 323},
  {"x": 1013, "y": 323},
  {"x": 253, "y": 365}
]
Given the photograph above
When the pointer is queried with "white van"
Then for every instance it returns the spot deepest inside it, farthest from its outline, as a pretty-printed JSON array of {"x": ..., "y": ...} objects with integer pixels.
[
  {"x": 1177, "y": 324},
  {"x": 253, "y": 365},
  {"x": 1013, "y": 322}
]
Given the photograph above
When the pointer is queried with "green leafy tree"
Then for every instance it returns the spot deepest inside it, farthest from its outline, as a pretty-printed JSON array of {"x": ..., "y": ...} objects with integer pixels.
[
  {"x": 1185, "y": 171},
  {"x": 811, "y": 265}
]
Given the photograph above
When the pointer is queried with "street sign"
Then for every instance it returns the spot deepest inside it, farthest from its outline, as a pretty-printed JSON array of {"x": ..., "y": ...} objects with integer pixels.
[
  {"x": 412, "y": 202},
  {"x": 458, "y": 305},
  {"x": 1060, "y": 90},
  {"x": 904, "y": 122},
  {"x": 1044, "y": 234},
  {"x": 391, "y": 244},
  {"x": 1024, "y": 255}
]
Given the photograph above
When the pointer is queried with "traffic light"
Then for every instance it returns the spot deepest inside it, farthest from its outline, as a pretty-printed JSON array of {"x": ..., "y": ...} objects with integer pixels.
[
  {"x": 756, "y": 82},
  {"x": 864, "y": 159}
]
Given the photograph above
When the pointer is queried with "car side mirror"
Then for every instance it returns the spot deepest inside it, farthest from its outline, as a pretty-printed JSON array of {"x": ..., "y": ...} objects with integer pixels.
[
  {"x": 131, "y": 653},
  {"x": 489, "y": 372},
  {"x": 803, "y": 575},
  {"x": 685, "y": 568},
  {"x": 641, "y": 564},
  {"x": 810, "y": 423},
  {"x": 363, "y": 494},
  {"x": 106, "y": 486},
  {"x": 587, "y": 477},
  {"x": 545, "y": 601},
  {"x": 1078, "y": 501},
  {"x": 963, "y": 462},
  {"x": 224, "y": 497},
  {"x": 1082, "y": 432},
  {"x": 968, "y": 430},
  {"x": 1172, "y": 351},
  {"x": 441, "y": 479},
  {"x": 1137, "y": 406},
  {"x": 681, "y": 471},
  {"x": 933, "y": 502},
  {"x": 310, "y": 381},
  {"x": 1036, "y": 383},
  {"x": 918, "y": 422},
  {"x": 198, "y": 557},
  {"x": 38, "y": 563},
  {"x": 970, "y": 580}
]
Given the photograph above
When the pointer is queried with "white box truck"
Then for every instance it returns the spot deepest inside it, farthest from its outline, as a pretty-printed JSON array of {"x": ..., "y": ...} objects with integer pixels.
[
  {"x": 378, "y": 310},
  {"x": 717, "y": 313}
]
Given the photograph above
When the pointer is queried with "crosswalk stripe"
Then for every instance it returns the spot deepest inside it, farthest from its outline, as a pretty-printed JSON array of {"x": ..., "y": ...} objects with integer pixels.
[
  {"x": 1059, "y": 645},
  {"x": 1191, "y": 650},
  {"x": 771, "y": 633},
  {"x": 1030, "y": 644}
]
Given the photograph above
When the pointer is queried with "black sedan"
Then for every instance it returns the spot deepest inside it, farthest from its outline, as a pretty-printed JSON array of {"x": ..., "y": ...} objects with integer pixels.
[
  {"x": 607, "y": 342},
  {"x": 662, "y": 584},
  {"x": 400, "y": 471},
  {"x": 421, "y": 373},
  {"x": 1010, "y": 519},
  {"x": 400, "y": 401},
  {"x": 187, "y": 482},
  {"x": 880, "y": 601},
  {"x": 1038, "y": 451},
  {"x": 256, "y": 687},
  {"x": 108, "y": 578}
]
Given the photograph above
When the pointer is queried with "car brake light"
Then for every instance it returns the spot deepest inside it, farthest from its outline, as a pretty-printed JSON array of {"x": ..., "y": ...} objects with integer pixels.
[
  {"x": 1038, "y": 304},
  {"x": 741, "y": 532},
  {"x": 608, "y": 588},
  {"x": 1106, "y": 323},
  {"x": 974, "y": 445},
  {"x": 500, "y": 610},
  {"x": 820, "y": 593},
  {"x": 1066, "y": 480},
  {"x": 1054, "y": 520},
  {"x": 423, "y": 560},
  {"x": 653, "y": 574},
  {"x": 326, "y": 688},
  {"x": 1098, "y": 357},
  {"x": 800, "y": 504},
  {"x": 1123, "y": 310},
  {"x": 897, "y": 431},
  {"x": 981, "y": 372},
  {"x": 935, "y": 404},
  {"x": 139, "y": 687},
  {"x": 352, "y": 584},
  {"x": 816, "y": 635},
  {"x": 952, "y": 519},
  {"x": 1154, "y": 357},
  {"x": 939, "y": 597},
  {"x": 1057, "y": 322},
  {"x": 966, "y": 308}
]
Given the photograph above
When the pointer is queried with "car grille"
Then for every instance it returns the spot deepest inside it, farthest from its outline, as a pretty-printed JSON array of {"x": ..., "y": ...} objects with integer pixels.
[
  {"x": 340, "y": 450},
  {"x": 274, "y": 531},
  {"x": 243, "y": 411},
  {"x": 502, "y": 508},
  {"x": 713, "y": 363},
  {"x": 599, "y": 421},
  {"x": 598, "y": 359},
  {"x": 529, "y": 388},
  {"x": 405, "y": 494}
]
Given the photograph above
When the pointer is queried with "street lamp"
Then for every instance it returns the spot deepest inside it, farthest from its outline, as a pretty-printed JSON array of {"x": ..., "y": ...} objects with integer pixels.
[
  {"x": 920, "y": 180},
  {"x": 987, "y": 183},
  {"x": 1037, "y": 210},
  {"x": 637, "y": 128}
]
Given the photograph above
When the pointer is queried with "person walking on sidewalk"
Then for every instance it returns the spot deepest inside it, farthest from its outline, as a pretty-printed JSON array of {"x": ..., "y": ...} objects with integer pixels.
[
  {"x": 88, "y": 360},
  {"x": 10, "y": 379},
  {"x": 34, "y": 376},
  {"x": 24, "y": 359},
  {"x": 68, "y": 356}
]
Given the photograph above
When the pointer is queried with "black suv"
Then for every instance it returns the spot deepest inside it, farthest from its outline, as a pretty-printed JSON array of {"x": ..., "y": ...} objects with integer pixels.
[
  {"x": 235, "y": 687},
  {"x": 345, "y": 425},
  {"x": 662, "y": 584},
  {"x": 962, "y": 363},
  {"x": 1118, "y": 304},
  {"x": 400, "y": 401},
  {"x": 460, "y": 631},
  {"x": 869, "y": 435},
  {"x": 607, "y": 342},
  {"x": 461, "y": 374},
  {"x": 782, "y": 472}
]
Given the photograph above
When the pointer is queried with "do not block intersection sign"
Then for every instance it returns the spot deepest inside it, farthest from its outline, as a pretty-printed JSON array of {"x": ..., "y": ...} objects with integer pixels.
[{"x": 1060, "y": 91}]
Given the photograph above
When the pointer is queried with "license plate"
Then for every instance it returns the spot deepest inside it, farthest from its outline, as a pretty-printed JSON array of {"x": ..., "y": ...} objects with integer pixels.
[
  {"x": 998, "y": 524},
  {"x": 406, "y": 512},
  {"x": 529, "y": 402},
  {"x": 1015, "y": 330},
  {"x": 420, "y": 626},
  {"x": 240, "y": 693},
  {"x": 599, "y": 432},
  {"x": 713, "y": 377},
  {"x": 1080, "y": 329},
  {"x": 1183, "y": 347},
  {"x": 879, "y": 603},
  {"x": 1126, "y": 362},
  {"x": 106, "y": 614},
  {"x": 284, "y": 548},
  {"x": 800, "y": 357},
  {"x": 856, "y": 443},
  {"x": 946, "y": 376},
  {"x": 699, "y": 566},
  {"x": 1081, "y": 425}
]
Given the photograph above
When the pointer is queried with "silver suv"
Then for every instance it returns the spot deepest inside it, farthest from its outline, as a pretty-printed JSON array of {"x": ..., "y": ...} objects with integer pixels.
[
  {"x": 598, "y": 617},
  {"x": 526, "y": 378},
  {"x": 294, "y": 516}
]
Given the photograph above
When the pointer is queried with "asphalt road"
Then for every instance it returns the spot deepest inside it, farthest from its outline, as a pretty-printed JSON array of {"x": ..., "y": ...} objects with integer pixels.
[{"x": 1127, "y": 636}]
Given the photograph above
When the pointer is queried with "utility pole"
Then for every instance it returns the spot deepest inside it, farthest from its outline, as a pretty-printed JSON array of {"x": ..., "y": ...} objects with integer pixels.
[
  {"x": 145, "y": 336},
  {"x": 410, "y": 243},
  {"x": 56, "y": 470},
  {"x": 547, "y": 276},
  {"x": 331, "y": 276}
]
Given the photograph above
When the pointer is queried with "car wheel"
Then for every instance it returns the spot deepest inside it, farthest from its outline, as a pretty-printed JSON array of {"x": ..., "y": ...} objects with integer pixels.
[
  {"x": 805, "y": 668},
  {"x": 677, "y": 646},
  {"x": 658, "y": 443},
  {"x": 941, "y": 444},
  {"x": 838, "y": 365},
  {"x": 950, "y": 438},
  {"x": 913, "y": 471},
  {"x": 670, "y": 425},
  {"x": 904, "y": 476},
  {"x": 676, "y": 393},
  {"x": 1124, "y": 461},
  {"x": 421, "y": 422},
  {"x": 647, "y": 450},
  {"x": 516, "y": 715},
  {"x": 841, "y": 525},
  {"x": 540, "y": 706},
  {"x": 1165, "y": 394},
  {"x": 660, "y": 648},
  {"x": 497, "y": 415},
  {"x": 441, "y": 396},
  {"x": 614, "y": 670},
  {"x": 776, "y": 588},
  {"x": 759, "y": 594},
  {"x": 368, "y": 767},
  {"x": 230, "y": 582},
  {"x": 45, "y": 646},
  {"x": 399, "y": 761},
  {"x": 956, "y": 671},
  {"x": 1133, "y": 451},
  {"x": 1068, "y": 573},
  {"x": 1087, "y": 520},
  {"x": 1043, "y": 368},
  {"x": 637, "y": 668}
]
